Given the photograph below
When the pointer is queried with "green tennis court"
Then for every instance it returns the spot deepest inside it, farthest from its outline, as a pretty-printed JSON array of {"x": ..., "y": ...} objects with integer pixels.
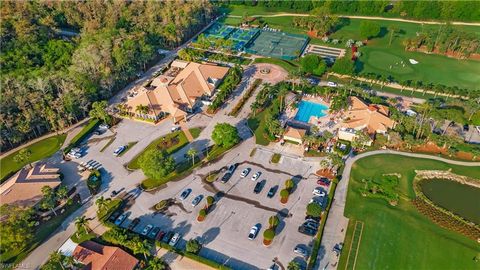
[{"x": 277, "y": 44}]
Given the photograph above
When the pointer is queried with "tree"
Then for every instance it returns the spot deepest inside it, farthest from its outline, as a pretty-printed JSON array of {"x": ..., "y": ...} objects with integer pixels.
[
  {"x": 314, "y": 209},
  {"x": 56, "y": 258},
  {"x": 268, "y": 235},
  {"x": 313, "y": 64},
  {"x": 49, "y": 200},
  {"x": 369, "y": 29},
  {"x": 193, "y": 246},
  {"x": 156, "y": 164},
  {"x": 23, "y": 156},
  {"x": 156, "y": 263},
  {"x": 141, "y": 247},
  {"x": 294, "y": 265},
  {"x": 142, "y": 109},
  {"x": 62, "y": 192},
  {"x": 289, "y": 184},
  {"x": 332, "y": 160},
  {"x": 101, "y": 203},
  {"x": 361, "y": 139},
  {"x": 273, "y": 221},
  {"x": 344, "y": 65},
  {"x": 225, "y": 135},
  {"x": 81, "y": 223},
  {"x": 393, "y": 29},
  {"x": 16, "y": 230},
  {"x": 192, "y": 152},
  {"x": 99, "y": 111}
]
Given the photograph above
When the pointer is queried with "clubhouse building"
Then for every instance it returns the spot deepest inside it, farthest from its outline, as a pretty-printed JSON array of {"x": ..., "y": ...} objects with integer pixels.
[{"x": 177, "y": 92}]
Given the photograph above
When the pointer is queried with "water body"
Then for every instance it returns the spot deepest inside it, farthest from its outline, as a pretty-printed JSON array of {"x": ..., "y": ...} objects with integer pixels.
[{"x": 463, "y": 200}]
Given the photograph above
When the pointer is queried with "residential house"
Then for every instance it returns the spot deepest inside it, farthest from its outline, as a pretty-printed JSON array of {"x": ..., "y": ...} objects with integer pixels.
[
  {"x": 25, "y": 187},
  {"x": 178, "y": 91},
  {"x": 294, "y": 134},
  {"x": 95, "y": 256}
]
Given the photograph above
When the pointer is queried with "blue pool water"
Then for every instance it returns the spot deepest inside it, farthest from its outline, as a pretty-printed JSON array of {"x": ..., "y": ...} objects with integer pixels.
[{"x": 306, "y": 109}]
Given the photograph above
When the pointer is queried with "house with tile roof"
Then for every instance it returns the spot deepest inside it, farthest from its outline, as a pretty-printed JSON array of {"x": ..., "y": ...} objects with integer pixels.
[
  {"x": 95, "y": 256},
  {"x": 25, "y": 187},
  {"x": 294, "y": 134},
  {"x": 177, "y": 92},
  {"x": 373, "y": 118}
]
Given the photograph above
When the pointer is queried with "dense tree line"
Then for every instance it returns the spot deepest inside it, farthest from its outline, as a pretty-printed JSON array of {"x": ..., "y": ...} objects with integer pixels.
[
  {"x": 428, "y": 10},
  {"x": 447, "y": 39},
  {"x": 49, "y": 81}
]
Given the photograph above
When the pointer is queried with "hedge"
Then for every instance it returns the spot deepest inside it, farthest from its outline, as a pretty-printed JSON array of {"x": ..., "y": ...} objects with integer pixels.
[{"x": 236, "y": 110}]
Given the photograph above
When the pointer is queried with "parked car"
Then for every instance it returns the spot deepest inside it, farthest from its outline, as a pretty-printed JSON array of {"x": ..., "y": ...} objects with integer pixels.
[
  {"x": 256, "y": 176},
  {"x": 466, "y": 128},
  {"x": 147, "y": 229},
  {"x": 317, "y": 219},
  {"x": 259, "y": 186},
  {"x": 103, "y": 126},
  {"x": 245, "y": 172},
  {"x": 74, "y": 155},
  {"x": 174, "y": 239},
  {"x": 114, "y": 216},
  {"x": 226, "y": 177},
  {"x": 307, "y": 231},
  {"x": 274, "y": 266},
  {"x": 185, "y": 194},
  {"x": 197, "y": 200},
  {"x": 320, "y": 192},
  {"x": 168, "y": 236},
  {"x": 332, "y": 84},
  {"x": 134, "y": 223},
  {"x": 301, "y": 251},
  {"x": 119, "y": 150},
  {"x": 478, "y": 128},
  {"x": 312, "y": 225},
  {"x": 231, "y": 169},
  {"x": 121, "y": 218},
  {"x": 160, "y": 235},
  {"x": 324, "y": 182},
  {"x": 253, "y": 232},
  {"x": 175, "y": 128},
  {"x": 153, "y": 233},
  {"x": 272, "y": 191}
]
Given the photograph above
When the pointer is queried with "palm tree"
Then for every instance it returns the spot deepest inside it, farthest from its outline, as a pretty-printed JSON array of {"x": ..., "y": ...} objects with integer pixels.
[
  {"x": 57, "y": 258},
  {"x": 81, "y": 223},
  {"x": 192, "y": 152},
  {"x": 141, "y": 247},
  {"x": 281, "y": 94},
  {"x": 156, "y": 264},
  {"x": 142, "y": 109},
  {"x": 255, "y": 106},
  {"x": 273, "y": 221},
  {"x": 102, "y": 202},
  {"x": 62, "y": 192}
]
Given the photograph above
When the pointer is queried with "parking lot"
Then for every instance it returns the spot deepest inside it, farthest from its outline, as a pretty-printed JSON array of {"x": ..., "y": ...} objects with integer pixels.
[{"x": 224, "y": 232}]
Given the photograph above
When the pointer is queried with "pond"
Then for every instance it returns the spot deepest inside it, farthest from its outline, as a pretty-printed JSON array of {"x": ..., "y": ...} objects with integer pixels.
[{"x": 463, "y": 200}]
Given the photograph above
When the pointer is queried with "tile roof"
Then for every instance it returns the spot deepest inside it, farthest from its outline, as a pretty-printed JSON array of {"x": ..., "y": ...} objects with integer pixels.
[
  {"x": 372, "y": 117},
  {"x": 95, "y": 256},
  {"x": 295, "y": 133},
  {"x": 25, "y": 187}
]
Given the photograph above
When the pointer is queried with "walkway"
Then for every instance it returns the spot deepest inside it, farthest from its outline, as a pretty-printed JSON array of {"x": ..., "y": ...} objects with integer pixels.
[
  {"x": 337, "y": 222},
  {"x": 360, "y": 17},
  {"x": 184, "y": 127}
]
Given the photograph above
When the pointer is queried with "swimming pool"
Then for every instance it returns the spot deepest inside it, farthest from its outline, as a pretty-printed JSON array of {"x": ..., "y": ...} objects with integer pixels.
[{"x": 306, "y": 109}]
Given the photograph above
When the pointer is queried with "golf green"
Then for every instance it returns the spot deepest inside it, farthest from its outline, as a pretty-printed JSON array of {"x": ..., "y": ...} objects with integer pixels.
[{"x": 399, "y": 237}]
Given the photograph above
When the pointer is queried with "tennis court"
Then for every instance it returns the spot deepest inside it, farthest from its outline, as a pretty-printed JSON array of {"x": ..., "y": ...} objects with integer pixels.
[
  {"x": 218, "y": 30},
  {"x": 277, "y": 44}
]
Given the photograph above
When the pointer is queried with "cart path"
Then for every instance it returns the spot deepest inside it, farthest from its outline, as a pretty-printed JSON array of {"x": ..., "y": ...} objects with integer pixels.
[{"x": 360, "y": 17}]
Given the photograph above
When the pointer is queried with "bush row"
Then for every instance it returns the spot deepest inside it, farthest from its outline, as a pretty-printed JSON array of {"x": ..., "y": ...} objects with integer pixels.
[{"x": 236, "y": 110}]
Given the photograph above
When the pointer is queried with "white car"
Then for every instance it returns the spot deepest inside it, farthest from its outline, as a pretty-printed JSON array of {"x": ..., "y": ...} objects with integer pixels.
[
  {"x": 320, "y": 192},
  {"x": 119, "y": 150},
  {"x": 147, "y": 229},
  {"x": 74, "y": 155},
  {"x": 245, "y": 172},
  {"x": 103, "y": 126},
  {"x": 174, "y": 239},
  {"x": 120, "y": 219},
  {"x": 331, "y": 84},
  {"x": 253, "y": 232},
  {"x": 175, "y": 128},
  {"x": 256, "y": 176},
  {"x": 478, "y": 128}
]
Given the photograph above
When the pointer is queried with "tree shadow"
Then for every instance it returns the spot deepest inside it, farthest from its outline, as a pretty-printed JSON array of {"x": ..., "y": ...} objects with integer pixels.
[
  {"x": 342, "y": 23},
  {"x": 210, "y": 235},
  {"x": 383, "y": 32}
]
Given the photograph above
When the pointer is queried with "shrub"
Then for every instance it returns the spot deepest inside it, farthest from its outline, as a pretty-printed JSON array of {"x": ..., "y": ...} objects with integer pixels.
[
  {"x": 193, "y": 246},
  {"x": 313, "y": 209},
  {"x": 268, "y": 234},
  {"x": 284, "y": 193},
  {"x": 210, "y": 200},
  {"x": 273, "y": 221},
  {"x": 289, "y": 184},
  {"x": 276, "y": 158}
]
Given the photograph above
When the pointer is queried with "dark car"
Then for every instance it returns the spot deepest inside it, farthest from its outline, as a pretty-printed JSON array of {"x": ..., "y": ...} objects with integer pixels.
[
  {"x": 167, "y": 237},
  {"x": 307, "y": 217},
  {"x": 259, "y": 186},
  {"x": 160, "y": 235},
  {"x": 323, "y": 182},
  {"x": 231, "y": 169},
  {"x": 114, "y": 216},
  {"x": 307, "y": 231},
  {"x": 311, "y": 225},
  {"x": 466, "y": 127},
  {"x": 226, "y": 177},
  {"x": 133, "y": 224},
  {"x": 272, "y": 191},
  {"x": 153, "y": 233}
]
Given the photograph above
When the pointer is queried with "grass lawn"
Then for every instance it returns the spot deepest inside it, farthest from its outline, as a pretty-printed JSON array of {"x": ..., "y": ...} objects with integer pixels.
[
  {"x": 44, "y": 230},
  {"x": 111, "y": 206},
  {"x": 399, "y": 237},
  {"x": 180, "y": 141},
  {"x": 378, "y": 55},
  {"x": 39, "y": 150},
  {"x": 92, "y": 124},
  {"x": 257, "y": 124},
  {"x": 108, "y": 144}
]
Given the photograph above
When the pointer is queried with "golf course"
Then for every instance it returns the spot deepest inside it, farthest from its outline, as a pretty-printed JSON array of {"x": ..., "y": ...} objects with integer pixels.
[
  {"x": 398, "y": 236},
  {"x": 384, "y": 54}
]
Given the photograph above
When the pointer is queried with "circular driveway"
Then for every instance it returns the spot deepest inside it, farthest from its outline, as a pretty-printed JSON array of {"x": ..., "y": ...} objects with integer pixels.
[{"x": 276, "y": 74}]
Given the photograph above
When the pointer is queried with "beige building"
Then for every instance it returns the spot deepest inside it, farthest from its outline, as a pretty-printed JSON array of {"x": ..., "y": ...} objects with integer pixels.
[
  {"x": 373, "y": 118},
  {"x": 25, "y": 187},
  {"x": 294, "y": 135},
  {"x": 178, "y": 91}
]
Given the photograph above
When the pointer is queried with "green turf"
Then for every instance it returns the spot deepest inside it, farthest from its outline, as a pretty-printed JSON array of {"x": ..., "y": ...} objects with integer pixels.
[
  {"x": 287, "y": 65},
  {"x": 378, "y": 55},
  {"x": 39, "y": 150},
  {"x": 257, "y": 124},
  {"x": 399, "y": 237}
]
